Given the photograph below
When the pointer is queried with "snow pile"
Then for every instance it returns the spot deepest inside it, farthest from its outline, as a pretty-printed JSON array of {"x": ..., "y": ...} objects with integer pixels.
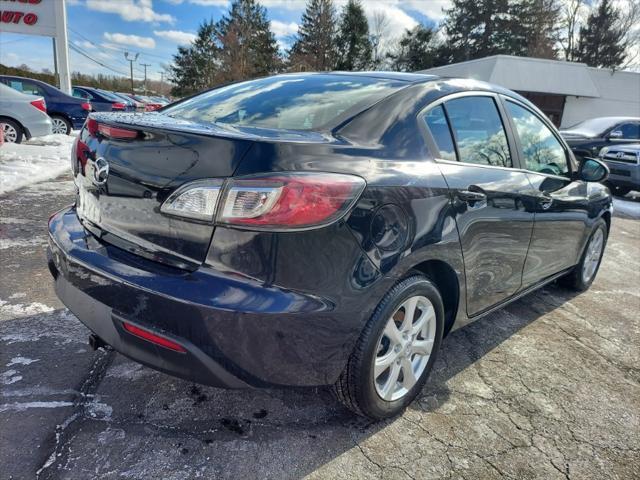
[{"x": 41, "y": 158}]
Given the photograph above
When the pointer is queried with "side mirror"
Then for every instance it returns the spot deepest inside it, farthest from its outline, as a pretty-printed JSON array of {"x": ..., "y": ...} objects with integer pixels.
[
  {"x": 592, "y": 170},
  {"x": 615, "y": 134}
]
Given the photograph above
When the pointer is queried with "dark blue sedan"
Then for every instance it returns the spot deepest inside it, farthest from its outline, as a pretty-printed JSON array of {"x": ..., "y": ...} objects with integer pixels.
[
  {"x": 67, "y": 113},
  {"x": 101, "y": 100}
]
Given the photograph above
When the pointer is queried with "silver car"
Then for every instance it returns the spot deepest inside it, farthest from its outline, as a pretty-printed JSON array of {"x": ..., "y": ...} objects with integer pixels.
[
  {"x": 22, "y": 116},
  {"x": 624, "y": 166}
]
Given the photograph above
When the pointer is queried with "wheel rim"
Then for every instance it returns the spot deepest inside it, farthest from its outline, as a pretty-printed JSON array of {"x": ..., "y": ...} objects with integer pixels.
[
  {"x": 593, "y": 254},
  {"x": 58, "y": 126},
  {"x": 404, "y": 348},
  {"x": 10, "y": 133}
]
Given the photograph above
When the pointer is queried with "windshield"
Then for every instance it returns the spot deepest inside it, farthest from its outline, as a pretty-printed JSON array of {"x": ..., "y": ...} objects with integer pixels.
[
  {"x": 108, "y": 95},
  {"x": 290, "y": 102}
]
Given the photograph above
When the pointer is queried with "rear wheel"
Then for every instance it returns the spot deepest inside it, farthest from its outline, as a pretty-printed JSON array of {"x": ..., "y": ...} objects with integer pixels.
[
  {"x": 60, "y": 125},
  {"x": 583, "y": 274},
  {"x": 395, "y": 352},
  {"x": 12, "y": 131}
]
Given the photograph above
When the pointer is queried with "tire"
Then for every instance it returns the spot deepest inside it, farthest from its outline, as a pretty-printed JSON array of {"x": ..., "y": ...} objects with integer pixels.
[
  {"x": 357, "y": 388},
  {"x": 60, "y": 124},
  {"x": 581, "y": 277},
  {"x": 13, "y": 131}
]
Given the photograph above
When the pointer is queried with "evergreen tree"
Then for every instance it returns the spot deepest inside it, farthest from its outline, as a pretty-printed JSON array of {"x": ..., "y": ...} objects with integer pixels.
[
  {"x": 195, "y": 67},
  {"x": 602, "y": 40},
  {"x": 354, "y": 44},
  {"x": 315, "y": 46},
  {"x": 416, "y": 50},
  {"x": 479, "y": 28},
  {"x": 247, "y": 46}
]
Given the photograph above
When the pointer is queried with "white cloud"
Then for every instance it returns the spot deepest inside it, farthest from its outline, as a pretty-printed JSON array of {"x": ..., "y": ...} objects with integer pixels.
[
  {"x": 283, "y": 29},
  {"x": 131, "y": 40},
  {"x": 176, "y": 36},
  {"x": 130, "y": 10},
  {"x": 86, "y": 45}
]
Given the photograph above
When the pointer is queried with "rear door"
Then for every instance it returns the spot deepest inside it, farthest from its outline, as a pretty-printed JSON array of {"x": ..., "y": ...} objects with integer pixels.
[
  {"x": 487, "y": 189},
  {"x": 561, "y": 205}
]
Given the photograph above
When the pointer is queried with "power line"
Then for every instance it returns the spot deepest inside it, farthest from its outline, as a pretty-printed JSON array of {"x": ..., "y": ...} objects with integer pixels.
[
  {"x": 77, "y": 49},
  {"x": 115, "y": 47}
]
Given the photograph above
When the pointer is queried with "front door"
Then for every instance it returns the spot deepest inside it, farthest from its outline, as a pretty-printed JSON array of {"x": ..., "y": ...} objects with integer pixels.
[
  {"x": 487, "y": 191},
  {"x": 560, "y": 204}
]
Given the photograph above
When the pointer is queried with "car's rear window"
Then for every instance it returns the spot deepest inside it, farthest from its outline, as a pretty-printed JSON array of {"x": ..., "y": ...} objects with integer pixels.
[{"x": 289, "y": 102}]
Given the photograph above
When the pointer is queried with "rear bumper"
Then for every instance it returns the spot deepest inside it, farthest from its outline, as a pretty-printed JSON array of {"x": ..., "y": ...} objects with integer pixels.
[{"x": 237, "y": 332}]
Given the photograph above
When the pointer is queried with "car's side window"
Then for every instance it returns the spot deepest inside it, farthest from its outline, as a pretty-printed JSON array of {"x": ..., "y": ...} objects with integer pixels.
[
  {"x": 541, "y": 149},
  {"x": 478, "y": 131},
  {"x": 439, "y": 127},
  {"x": 31, "y": 89},
  {"x": 630, "y": 131},
  {"x": 81, "y": 94}
]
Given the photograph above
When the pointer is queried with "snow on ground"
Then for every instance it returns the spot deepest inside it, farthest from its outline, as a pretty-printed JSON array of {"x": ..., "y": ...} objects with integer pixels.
[{"x": 41, "y": 158}]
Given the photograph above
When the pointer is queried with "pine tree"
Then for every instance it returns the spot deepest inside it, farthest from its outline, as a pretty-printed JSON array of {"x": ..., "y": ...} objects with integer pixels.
[
  {"x": 479, "y": 28},
  {"x": 195, "y": 67},
  {"x": 247, "y": 46},
  {"x": 354, "y": 44},
  {"x": 416, "y": 50},
  {"x": 315, "y": 46},
  {"x": 602, "y": 40}
]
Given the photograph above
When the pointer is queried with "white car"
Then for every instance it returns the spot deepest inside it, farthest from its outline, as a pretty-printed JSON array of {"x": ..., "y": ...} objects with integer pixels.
[{"x": 22, "y": 116}]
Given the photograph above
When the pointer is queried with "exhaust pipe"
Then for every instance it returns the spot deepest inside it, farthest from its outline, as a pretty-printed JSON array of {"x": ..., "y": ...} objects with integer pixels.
[{"x": 95, "y": 342}]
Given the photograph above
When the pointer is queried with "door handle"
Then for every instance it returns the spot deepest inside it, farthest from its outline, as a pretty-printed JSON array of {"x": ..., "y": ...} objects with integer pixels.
[{"x": 471, "y": 197}]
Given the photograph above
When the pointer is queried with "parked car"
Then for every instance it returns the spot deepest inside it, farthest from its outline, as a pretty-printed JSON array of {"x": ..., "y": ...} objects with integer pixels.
[
  {"x": 67, "y": 113},
  {"x": 320, "y": 229},
  {"x": 22, "y": 116},
  {"x": 139, "y": 105},
  {"x": 624, "y": 167},
  {"x": 587, "y": 138},
  {"x": 150, "y": 105},
  {"x": 132, "y": 105},
  {"x": 101, "y": 100}
]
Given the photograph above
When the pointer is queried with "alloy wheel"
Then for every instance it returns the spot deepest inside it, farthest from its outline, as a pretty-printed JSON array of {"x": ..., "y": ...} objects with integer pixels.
[
  {"x": 592, "y": 257},
  {"x": 58, "y": 126},
  {"x": 404, "y": 348},
  {"x": 10, "y": 133}
]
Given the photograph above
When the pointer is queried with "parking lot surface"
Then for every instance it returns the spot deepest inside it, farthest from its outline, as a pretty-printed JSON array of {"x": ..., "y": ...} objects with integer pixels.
[{"x": 548, "y": 387}]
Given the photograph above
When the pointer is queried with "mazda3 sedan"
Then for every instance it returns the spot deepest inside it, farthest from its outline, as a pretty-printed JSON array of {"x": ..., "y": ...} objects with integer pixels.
[{"x": 320, "y": 229}]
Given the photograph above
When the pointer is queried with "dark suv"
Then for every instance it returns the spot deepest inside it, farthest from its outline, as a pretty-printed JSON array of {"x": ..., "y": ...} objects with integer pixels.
[
  {"x": 587, "y": 138},
  {"x": 320, "y": 229}
]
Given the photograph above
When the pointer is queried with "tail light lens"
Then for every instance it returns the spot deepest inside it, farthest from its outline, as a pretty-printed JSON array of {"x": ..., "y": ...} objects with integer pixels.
[
  {"x": 117, "y": 133},
  {"x": 86, "y": 106},
  {"x": 286, "y": 201},
  {"x": 40, "y": 104},
  {"x": 118, "y": 106}
]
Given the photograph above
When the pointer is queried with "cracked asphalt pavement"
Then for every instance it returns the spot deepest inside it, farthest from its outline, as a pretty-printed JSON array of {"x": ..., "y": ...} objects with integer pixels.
[{"x": 548, "y": 387}]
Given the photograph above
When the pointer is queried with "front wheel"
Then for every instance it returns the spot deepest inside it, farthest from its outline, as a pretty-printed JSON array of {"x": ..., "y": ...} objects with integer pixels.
[
  {"x": 395, "y": 352},
  {"x": 583, "y": 274},
  {"x": 60, "y": 125}
]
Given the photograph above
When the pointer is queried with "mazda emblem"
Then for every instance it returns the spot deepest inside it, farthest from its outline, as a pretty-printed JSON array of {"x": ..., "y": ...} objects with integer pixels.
[{"x": 100, "y": 171}]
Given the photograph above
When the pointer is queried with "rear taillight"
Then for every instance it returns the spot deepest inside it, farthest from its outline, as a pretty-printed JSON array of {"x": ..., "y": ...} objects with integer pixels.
[
  {"x": 86, "y": 106},
  {"x": 118, "y": 106},
  {"x": 40, "y": 104},
  {"x": 117, "y": 133},
  {"x": 286, "y": 201},
  {"x": 96, "y": 128}
]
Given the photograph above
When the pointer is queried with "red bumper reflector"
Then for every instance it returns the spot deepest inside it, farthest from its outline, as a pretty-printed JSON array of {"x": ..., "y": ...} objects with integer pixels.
[{"x": 153, "y": 338}]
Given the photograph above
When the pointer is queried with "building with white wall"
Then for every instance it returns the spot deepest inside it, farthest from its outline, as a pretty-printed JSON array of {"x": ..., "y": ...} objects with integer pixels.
[{"x": 566, "y": 92}]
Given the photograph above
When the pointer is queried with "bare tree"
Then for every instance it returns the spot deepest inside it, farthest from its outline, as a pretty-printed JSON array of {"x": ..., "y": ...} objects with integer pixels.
[
  {"x": 573, "y": 16},
  {"x": 379, "y": 37}
]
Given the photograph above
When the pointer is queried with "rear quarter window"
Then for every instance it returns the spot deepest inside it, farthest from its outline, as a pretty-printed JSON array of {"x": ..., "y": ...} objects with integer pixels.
[{"x": 289, "y": 102}]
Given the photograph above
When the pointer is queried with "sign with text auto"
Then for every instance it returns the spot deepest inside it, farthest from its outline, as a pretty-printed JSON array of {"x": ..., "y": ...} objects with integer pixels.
[
  {"x": 34, "y": 17},
  {"x": 40, "y": 17}
]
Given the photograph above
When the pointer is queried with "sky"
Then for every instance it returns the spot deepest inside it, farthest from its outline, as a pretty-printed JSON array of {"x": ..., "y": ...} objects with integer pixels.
[{"x": 104, "y": 29}]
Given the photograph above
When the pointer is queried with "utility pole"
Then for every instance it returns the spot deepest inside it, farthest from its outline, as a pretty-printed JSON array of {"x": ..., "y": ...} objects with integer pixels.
[
  {"x": 131, "y": 60},
  {"x": 145, "y": 65},
  {"x": 161, "y": 82}
]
